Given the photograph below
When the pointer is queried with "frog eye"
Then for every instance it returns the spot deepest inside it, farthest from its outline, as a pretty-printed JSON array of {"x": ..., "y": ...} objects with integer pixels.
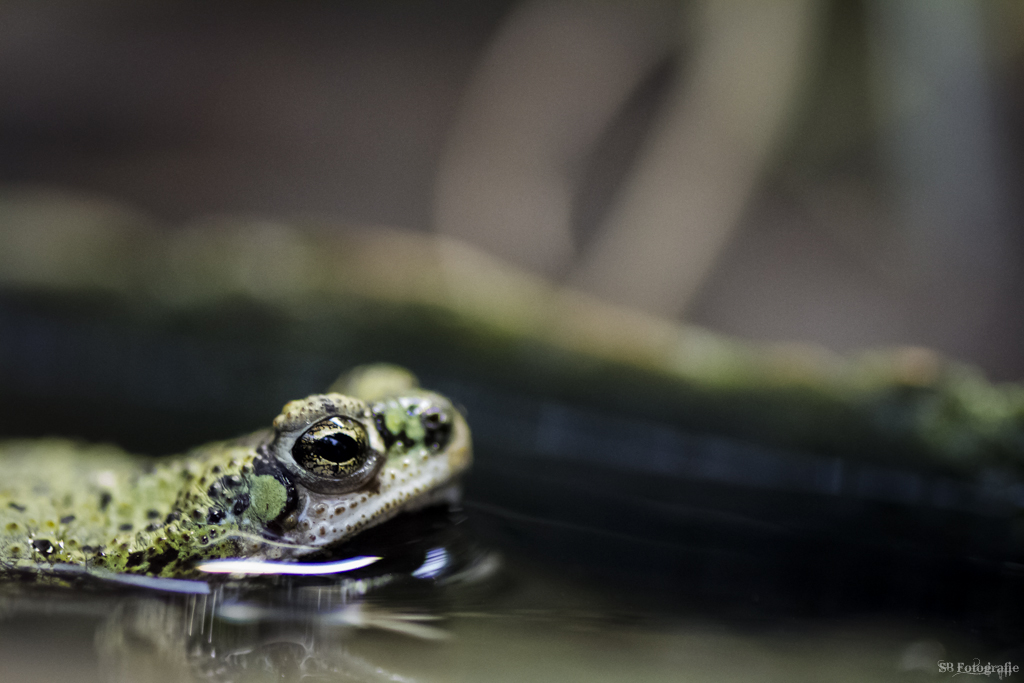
[
  {"x": 327, "y": 443},
  {"x": 335, "y": 448}
]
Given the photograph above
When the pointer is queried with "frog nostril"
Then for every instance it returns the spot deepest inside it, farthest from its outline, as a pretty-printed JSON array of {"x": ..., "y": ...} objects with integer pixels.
[
  {"x": 433, "y": 419},
  {"x": 437, "y": 427}
]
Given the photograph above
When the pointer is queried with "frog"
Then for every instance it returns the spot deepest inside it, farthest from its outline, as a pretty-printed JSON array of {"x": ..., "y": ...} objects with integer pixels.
[{"x": 331, "y": 465}]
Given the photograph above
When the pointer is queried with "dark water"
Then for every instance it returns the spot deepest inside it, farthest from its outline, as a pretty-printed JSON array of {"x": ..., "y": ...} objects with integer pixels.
[
  {"x": 470, "y": 621},
  {"x": 484, "y": 593}
]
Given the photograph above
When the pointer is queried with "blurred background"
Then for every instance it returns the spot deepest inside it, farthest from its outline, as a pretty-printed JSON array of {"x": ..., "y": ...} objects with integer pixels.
[
  {"x": 842, "y": 172},
  {"x": 839, "y": 172}
]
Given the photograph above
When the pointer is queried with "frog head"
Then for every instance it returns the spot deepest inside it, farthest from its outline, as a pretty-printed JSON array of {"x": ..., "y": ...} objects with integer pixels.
[{"x": 336, "y": 465}]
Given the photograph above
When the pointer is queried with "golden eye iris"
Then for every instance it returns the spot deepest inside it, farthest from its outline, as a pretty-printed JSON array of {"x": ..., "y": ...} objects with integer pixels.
[{"x": 335, "y": 448}]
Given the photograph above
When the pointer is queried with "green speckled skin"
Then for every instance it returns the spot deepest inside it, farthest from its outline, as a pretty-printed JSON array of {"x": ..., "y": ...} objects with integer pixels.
[{"x": 98, "y": 507}]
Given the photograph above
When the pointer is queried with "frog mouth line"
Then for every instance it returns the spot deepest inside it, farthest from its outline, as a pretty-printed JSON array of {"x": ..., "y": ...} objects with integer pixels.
[{"x": 369, "y": 510}]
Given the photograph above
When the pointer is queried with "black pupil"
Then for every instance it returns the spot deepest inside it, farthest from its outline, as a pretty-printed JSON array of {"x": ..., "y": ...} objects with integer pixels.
[
  {"x": 338, "y": 447},
  {"x": 331, "y": 448}
]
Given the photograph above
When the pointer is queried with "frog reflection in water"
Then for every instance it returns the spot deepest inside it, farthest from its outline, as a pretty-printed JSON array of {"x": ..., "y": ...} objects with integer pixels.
[{"x": 331, "y": 466}]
